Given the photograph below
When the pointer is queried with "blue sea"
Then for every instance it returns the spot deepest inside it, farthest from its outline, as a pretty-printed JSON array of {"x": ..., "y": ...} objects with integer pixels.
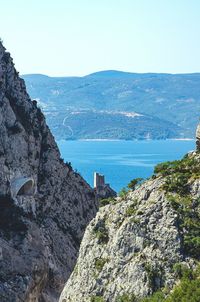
[{"x": 121, "y": 161}]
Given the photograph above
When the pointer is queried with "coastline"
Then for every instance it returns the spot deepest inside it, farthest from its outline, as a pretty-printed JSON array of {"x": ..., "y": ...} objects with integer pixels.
[
  {"x": 124, "y": 140},
  {"x": 100, "y": 140},
  {"x": 181, "y": 139}
]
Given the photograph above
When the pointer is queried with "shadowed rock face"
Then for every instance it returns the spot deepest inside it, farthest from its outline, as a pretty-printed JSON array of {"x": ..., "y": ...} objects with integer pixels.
[{"x": 39, "y": 233}]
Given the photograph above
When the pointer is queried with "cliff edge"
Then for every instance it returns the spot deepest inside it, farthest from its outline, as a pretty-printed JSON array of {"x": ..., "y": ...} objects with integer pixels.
[
  {"x": 44, "y": 205},
  {"x": 141, "y": 246}
]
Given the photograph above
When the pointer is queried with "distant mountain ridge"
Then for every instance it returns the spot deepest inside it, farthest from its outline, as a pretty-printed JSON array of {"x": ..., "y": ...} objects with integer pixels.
[
  {"x": 111, "y": 73},
  {"x": 174, "y": 99}
]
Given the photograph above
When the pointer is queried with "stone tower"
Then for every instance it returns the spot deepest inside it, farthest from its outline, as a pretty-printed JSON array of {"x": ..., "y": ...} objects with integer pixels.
[
  {"x": 102, "y": 189},
  {"x": 99, "y": 180}
]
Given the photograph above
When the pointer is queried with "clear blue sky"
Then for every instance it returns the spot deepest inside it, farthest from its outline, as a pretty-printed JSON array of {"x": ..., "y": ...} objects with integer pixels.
[{"x": 77, "y": 37}]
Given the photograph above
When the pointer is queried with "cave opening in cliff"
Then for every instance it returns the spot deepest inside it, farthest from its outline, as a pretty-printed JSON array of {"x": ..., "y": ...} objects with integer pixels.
[
  {"x": 22, "y": 186},
  {"x": 26, "y": 188}
]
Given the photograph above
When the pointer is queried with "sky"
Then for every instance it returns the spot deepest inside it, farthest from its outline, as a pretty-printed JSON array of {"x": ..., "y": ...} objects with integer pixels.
[{"x": 78, "y": 37}]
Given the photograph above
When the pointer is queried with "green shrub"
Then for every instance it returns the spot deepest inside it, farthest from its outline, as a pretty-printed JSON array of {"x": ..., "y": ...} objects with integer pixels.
[
  {"x": 123, "y": 193},
  {"x": 187, "y": 164},
  {"x": 101, "y": 232},
  {"x": 140, "y": 212},
  {"x": 188, "y": 210},
  {"x": 181, "y": 270},
  {"x": 179, "y": 203},
  {"x": 173, "y": 201},
  {"x": 97, "y": 299},
  {"x": 135, "y": 220},
  {"x": 153, "y": 274},
  {"x": 188, "y": 290},
  {"x": 178, "y": 173},
  {"x": 177, "y": 182},
  {"x": 126, "y": 298},
  {"x": 162, "y": 168},
  {"x": 134, "y": 182},
  {"x": 192, "y": 245},
  {"x": 131, "y": 210},
  {"x": 156, "y": 297},
  {"x": 99, "y": 263},
  {"x": 105, "y": 201}
]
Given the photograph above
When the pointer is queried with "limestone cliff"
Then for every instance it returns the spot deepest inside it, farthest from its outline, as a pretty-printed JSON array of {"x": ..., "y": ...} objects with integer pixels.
[
  {"x": 44, "y": 205},
  {"x": 134, "y": 245},
  {"x": 198, "y": 138}
]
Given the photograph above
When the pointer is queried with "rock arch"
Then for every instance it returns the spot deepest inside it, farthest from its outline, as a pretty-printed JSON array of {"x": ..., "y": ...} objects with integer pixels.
[{"x": 22, "y": 186}]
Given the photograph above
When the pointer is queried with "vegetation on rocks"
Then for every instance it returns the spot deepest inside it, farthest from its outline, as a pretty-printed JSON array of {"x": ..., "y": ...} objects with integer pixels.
[
  {"x": 123, "y": 193},
  {"x": 126, "y": 298},
  {"x": 132, "y": 185},
  {"x": 152, "y": 237},
  {"x": 134, "y": 182},
  {"x": 187, "y": 290},
  {"x": 105, "y": 201},
  {"x": 179, "y": 174},
  {"x": 131, "y": 210},
  {"x": 101, "y": 232},
  {"x": 188, "y": 210},
  {"x": 97, "y": 299},
  {"x": 99, "y": 263}
]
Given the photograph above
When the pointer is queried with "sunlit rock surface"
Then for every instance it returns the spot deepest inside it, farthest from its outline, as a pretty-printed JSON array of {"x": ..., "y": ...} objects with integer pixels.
[{"x": 133, "y": 245}]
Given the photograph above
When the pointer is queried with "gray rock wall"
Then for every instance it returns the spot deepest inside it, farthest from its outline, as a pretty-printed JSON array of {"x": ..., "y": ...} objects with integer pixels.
[
  {"x": 198, "y": 138},
  {"x": 40, "y": 232}
]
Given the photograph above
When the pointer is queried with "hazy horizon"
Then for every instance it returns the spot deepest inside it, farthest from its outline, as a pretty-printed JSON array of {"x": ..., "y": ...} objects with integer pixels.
[{"x": 99, "y": 71}]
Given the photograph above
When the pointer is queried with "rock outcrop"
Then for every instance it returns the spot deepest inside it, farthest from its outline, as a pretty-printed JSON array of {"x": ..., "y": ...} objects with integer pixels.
[
  {"x": 44, "y": 205},
  {"x": 102, "y": 190},
  {"x": 105, "y": 192},
  {"x": 198, "y": 138},
  {"x": 133, "y": 246}
]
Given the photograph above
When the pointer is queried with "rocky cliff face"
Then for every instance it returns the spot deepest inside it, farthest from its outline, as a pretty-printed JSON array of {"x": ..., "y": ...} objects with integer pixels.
[
  {"x": 198, "y": 138},
  {"x": 134, "y": 245},
  {"x": 44, "y": 205}
]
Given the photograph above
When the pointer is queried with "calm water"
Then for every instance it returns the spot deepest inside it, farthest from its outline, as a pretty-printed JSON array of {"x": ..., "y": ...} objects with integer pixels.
[{"x": 121, "y": 161}]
